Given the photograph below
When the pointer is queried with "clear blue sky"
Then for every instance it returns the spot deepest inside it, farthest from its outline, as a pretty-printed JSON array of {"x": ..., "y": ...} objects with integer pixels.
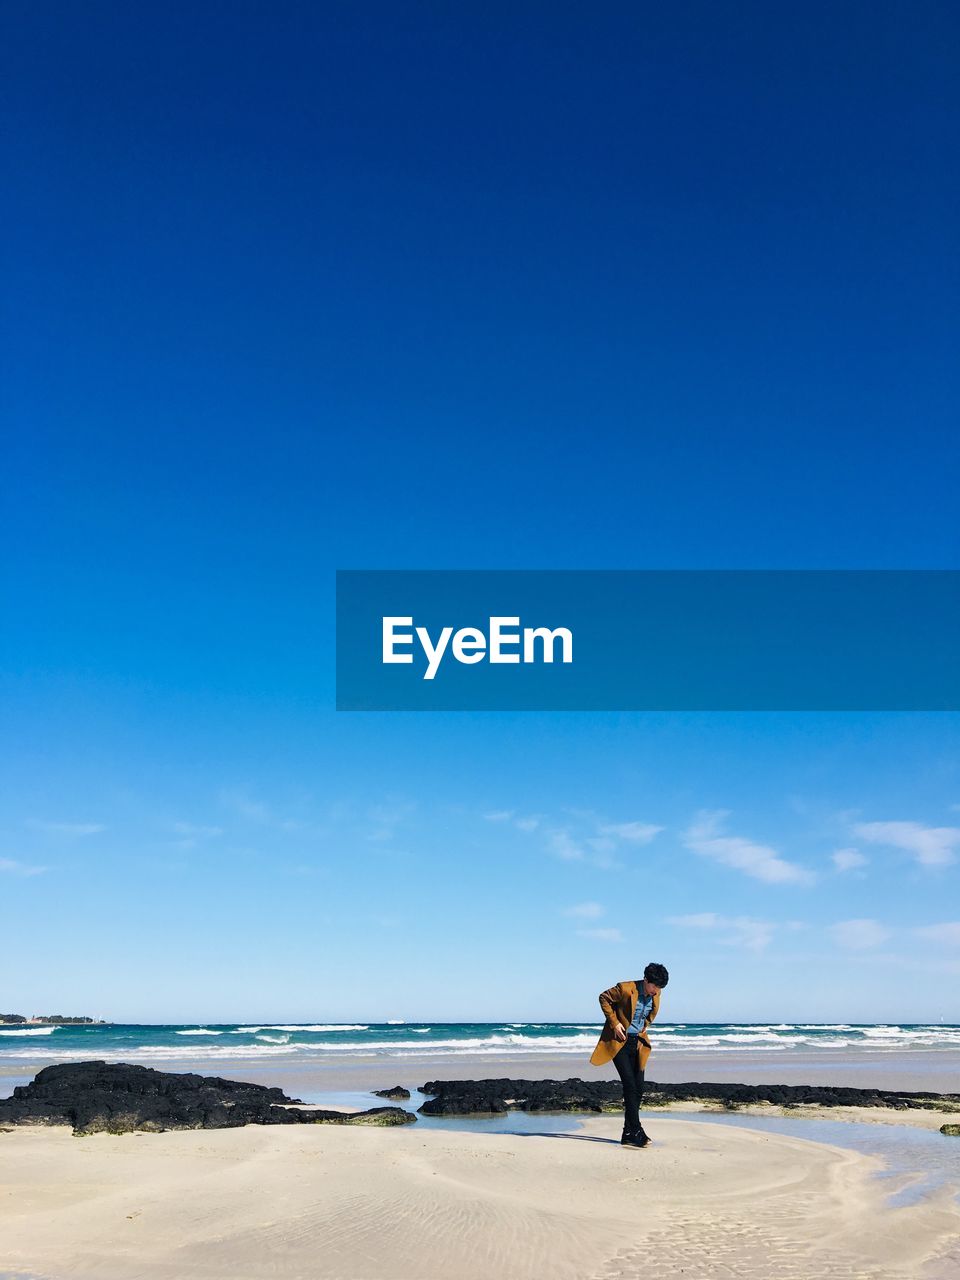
[{"x": 297, "y": 287}]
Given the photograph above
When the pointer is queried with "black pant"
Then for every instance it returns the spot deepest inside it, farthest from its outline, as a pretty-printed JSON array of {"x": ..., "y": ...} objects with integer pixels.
[{"x": 628, "y": 1067}]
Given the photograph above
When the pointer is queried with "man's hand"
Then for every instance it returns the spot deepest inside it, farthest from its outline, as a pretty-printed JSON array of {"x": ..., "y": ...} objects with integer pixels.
[{"x": 619, "y": 1033}]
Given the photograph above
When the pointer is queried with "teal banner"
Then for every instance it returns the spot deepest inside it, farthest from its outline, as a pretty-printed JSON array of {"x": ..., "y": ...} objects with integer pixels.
[{"x": 750, "y": 640}]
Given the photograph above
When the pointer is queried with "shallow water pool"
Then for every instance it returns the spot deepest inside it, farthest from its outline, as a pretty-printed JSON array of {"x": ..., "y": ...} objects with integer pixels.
[{"x": 926, "y": 1158}]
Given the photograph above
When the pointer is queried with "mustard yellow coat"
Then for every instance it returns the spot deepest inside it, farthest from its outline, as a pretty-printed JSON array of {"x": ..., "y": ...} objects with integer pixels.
[{"x": 618, "y": 1004}]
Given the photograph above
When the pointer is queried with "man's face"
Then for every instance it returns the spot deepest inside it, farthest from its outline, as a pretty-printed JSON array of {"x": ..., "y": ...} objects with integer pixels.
[{"x": 650, "y": 988}]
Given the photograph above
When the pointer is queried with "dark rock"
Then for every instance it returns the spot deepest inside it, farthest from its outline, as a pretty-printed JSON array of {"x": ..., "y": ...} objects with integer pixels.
[
  {"x": 798, "y": 1095},
  {"x": 376, "y": 1115},
  {"x": 98, "y": 1097},
  {"x": 495, "y": 1097},
  {"x": 950, "y": 1130},
  {"x": 398, "y": 1093},
  {"x": 485, "y": 1097}
]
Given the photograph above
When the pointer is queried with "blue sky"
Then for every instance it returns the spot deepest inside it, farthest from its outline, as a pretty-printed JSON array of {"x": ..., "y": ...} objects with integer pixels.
[{"x": 299, "y": 289}]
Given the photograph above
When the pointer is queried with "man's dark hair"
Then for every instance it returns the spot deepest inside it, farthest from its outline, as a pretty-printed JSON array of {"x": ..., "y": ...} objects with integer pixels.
[{"x": 657, "y": 974}]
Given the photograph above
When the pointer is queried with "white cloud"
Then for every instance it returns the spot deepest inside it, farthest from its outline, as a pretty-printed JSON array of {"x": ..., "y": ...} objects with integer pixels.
[
  {"x": 930, "y": 846},
  {"x": 757, "y": 860},
  {"x": 601, "y": 935},
  {"x": 67, "y": 828},
  {"x": 563, "y": 846},
  {"x": 525, "y": 822},
  {"x": 241, "y": 803},
  {"x": 948, "y": 932},
  {"x": 587, "y": 838},
  {"x": 257, "y": 811},
  {"x": 849, "y": 859},
  {"x": 600, "y": 844},
  {"x": 585, "y": 910},
  {"x": 634, "y": 832},
  {"x": 702, "y": 920},
  {"x": 15, "y": 868},
  {"x": 387, "y": 818},
  {"x": 733, "y": 931},
  {"x": 859, "y": 935}
]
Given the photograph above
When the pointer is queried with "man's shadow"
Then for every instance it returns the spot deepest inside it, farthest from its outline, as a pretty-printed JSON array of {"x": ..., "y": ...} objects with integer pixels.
[{"x": 568, "y": 1137}]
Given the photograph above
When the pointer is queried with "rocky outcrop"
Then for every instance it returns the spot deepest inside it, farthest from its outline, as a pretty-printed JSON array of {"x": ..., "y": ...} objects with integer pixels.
[
  {"x": 950, "y": 1130},
  {"x": 398, "y": 1093},
  {"x": 97, "y": 1097},
  {"x": 492, "y": 1097},
  {"x": 376, "y": 1116}
]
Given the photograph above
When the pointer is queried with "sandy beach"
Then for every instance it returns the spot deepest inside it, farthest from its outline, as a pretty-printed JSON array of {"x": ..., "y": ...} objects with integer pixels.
[{"x": 369, "y": 1204}]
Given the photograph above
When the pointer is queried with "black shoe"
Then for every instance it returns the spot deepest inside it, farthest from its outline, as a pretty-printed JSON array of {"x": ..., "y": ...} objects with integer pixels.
[{"x": 636, "y": 1139}]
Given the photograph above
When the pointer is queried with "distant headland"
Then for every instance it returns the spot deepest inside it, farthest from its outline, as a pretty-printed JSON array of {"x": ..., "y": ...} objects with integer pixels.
[{"x": 54, "y": 1019}]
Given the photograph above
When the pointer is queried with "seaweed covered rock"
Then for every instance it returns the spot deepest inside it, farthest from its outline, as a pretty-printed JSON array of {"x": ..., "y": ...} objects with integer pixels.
[
  {"x": 485, "y": 1097},
  {"x": 397, "y": 1093},
  {"x": 96, "y": 1097},
  {"x": 494, "y": 1097},
  {"x": 376, "y": 1116}
]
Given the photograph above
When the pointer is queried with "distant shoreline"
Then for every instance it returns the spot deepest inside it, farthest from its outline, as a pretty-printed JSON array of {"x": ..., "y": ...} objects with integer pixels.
[{"x": 56, "y": 1020}]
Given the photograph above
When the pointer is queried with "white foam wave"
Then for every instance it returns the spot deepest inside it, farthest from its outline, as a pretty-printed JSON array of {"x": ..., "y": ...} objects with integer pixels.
[
  {"x": 31, "y": 1031},
  {"x": 752, "y": 1037},
  {"x": 200, "y": 1031},
  {"x": 513, "y": 1041},
  {"x": 170, "y": 1053},
  {"x": 929, "y": 1041},
  {"x": 302, "y": 1026}
]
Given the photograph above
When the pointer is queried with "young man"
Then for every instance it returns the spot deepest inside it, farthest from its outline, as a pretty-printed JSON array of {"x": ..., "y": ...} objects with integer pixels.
[{"x": 629, "y": 1008}]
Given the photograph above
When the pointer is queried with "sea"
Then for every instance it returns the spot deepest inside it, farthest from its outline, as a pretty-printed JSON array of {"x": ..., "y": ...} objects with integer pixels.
[{"x": 289, "y": 1043}]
